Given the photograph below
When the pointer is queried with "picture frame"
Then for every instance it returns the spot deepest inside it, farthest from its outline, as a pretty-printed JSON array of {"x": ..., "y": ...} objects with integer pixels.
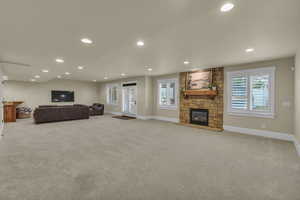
[{"x": 199, "y": 80}]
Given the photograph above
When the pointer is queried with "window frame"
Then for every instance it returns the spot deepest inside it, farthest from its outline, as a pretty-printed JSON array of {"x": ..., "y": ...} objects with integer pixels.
[
  {"x": 108, "y": 87},
  {"x": 167, "y": 107},
  {"x": 248, "y": 73}
]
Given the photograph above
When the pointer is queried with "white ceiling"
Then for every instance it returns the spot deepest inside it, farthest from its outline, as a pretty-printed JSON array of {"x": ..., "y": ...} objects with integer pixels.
[{"x": 35, "y": 32}]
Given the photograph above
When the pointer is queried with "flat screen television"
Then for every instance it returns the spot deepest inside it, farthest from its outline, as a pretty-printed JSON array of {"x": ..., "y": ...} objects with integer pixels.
[{"x": 62, "y": 96}]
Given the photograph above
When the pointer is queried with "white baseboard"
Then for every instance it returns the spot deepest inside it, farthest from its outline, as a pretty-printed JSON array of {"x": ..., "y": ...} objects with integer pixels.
[
  {"x": 114, "y": 113},
  {"x": 168, "y": 119},
  {"x": 160, "y": 118},
  {"x": 143, "y": 117},
  {"x": 297, "y": 145},
  {"x": 263, "y": 133}
]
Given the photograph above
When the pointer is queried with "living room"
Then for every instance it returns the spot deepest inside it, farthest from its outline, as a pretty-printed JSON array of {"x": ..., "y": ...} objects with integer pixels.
[{"x": 175, "y": 108}]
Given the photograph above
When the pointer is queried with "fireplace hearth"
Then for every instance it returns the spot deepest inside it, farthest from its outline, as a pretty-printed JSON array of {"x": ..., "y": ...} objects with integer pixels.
[{"x": 199, "y": 116}]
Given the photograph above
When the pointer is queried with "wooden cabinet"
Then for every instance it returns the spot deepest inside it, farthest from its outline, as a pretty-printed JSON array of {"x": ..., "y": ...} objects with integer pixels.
[{"x": 10, "y": 112}]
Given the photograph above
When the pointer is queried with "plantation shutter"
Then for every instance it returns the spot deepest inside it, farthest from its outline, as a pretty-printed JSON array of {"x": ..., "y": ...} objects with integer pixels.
[
  {"x": 260, "y": 93},
  {"x": 112, "y": 94},
  {"x": 239, "y": 92}
]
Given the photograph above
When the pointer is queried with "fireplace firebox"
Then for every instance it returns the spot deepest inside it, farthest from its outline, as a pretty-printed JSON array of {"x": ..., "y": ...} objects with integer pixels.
[{"x": 199, "y": 117}]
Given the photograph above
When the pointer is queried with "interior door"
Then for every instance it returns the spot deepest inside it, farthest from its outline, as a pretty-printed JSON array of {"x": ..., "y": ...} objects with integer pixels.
[{"x": 129, "y": 100}]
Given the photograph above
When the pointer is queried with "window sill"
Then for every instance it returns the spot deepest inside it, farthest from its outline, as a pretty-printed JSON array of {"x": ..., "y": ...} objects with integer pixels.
[{"x": 251, "y": 114}]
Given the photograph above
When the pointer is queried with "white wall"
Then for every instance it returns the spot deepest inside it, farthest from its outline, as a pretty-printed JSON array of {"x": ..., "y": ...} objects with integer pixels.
[
  {"x": 297, "y": 97},
  {"x": 34, "y": 93},
  {"x": 148, "y": 96}
]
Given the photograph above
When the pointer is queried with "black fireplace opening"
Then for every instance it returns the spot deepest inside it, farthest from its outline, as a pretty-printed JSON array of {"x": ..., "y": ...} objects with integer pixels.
[{"x": 199, "y": 117}]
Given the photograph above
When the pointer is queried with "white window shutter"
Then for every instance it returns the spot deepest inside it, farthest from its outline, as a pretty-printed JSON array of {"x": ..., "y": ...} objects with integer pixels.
[
  {"x": 239, "y": 93},
  {"x": 260, "y": 93},
  {"x": 251, "y": 92},
  {"x": 167, "y": 93}
]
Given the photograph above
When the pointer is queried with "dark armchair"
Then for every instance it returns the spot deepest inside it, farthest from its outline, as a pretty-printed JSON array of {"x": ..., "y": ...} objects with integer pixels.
[{"x": 96, "y": 109}]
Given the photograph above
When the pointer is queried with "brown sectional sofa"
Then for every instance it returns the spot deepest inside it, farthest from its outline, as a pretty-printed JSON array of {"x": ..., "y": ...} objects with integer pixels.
[{"x": 51, "y": 113}]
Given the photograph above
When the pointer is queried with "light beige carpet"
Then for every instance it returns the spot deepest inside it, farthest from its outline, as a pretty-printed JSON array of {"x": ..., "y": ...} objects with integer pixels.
[{"x": 109, "y": 159}]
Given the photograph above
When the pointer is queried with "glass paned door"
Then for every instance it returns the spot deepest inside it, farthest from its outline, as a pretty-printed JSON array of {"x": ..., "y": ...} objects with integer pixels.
[{"x": 129, "y": 100}]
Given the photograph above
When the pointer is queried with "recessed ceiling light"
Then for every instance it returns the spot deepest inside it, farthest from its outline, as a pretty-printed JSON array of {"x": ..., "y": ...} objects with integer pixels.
[
  {"x": 45, "y": 70},
  {"x": 59, "y": 76},
  {"x": 122, "y": 74},
  {"x": 186, "y": 62},
  {"x": 67, "y": 73},
  {"x": 37, "y": 76},
  {"x": 140, "y": 43},
  {"x": 105, "y": 78},
  {"x": 227, "y": 7},
  {"x": 149, "y": 69},
  {"x": 86, "y": 41},
  {"x": 32, "y": 80},
  {"x": 59, "y": 60},
  {"x": 5, "y": 78},
  {"x": 249, "y": 50},
  {"x": 80, "y": 67}
]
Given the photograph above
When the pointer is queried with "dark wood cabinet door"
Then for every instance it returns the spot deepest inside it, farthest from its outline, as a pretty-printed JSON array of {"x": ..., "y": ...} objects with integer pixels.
[{"x": 9, "y": 113}]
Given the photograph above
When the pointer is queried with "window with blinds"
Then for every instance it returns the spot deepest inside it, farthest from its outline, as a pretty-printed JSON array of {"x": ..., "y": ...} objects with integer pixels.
[
  {"x": 239, "y": 92},
  {"x": 251, "y": 92},
  {"x": 112, "y": 94},
  {"x": 167, "y": 93},
  {"x": 260, "y": 93}
]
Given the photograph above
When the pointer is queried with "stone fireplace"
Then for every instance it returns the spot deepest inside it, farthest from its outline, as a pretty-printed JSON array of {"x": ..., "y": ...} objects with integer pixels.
[
  {"x": 199, "y": 116},
  {"x": 201, "y": 109}
]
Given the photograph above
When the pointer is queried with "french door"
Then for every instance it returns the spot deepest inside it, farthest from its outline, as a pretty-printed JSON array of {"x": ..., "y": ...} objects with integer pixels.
[{"x": 129, "y": 99}]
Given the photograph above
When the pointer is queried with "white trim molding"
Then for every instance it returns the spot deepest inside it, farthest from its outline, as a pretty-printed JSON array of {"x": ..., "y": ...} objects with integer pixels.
[
  {"x": 160, "y": 118},
  {"x": 143, "y": 117},
  {"x": 115, "y": 113},
  {"x": 262, "y": 133},
  {"x": 297, "y": 145},
  {"x": 167, "y": 119}
]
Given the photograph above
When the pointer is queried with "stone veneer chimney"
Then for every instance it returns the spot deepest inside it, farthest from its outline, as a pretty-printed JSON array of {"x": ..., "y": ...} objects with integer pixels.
[{"x": 214, "y": 104}]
